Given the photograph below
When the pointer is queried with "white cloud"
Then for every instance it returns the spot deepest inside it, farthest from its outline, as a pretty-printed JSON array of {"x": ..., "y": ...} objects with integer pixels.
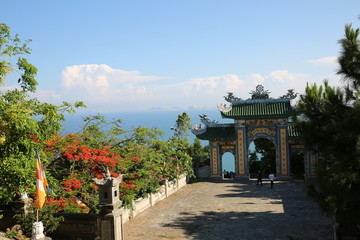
[
  {"x": 104, "y": 89},
  {"x": 99, "y": 83},
  {"x": 331, "y": 61},
  {"x": 101, "y": 75},
  {"x": 199, "y": 84},
  {"x": 47, "y": 95},
  {"x": 7, "y": 88},
  {"x": 257, "y": 78},
  {"x": 211, "y": 85},
  {"x": 283, "y": 76},
  {"x": 233, "y": 83},
  {"x": 42, "y": 95},
  {"x": 107, "y": 89}
]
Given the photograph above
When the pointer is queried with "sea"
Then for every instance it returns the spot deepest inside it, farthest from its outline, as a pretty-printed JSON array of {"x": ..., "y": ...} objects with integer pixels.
[{"x": 162, "y": 120}]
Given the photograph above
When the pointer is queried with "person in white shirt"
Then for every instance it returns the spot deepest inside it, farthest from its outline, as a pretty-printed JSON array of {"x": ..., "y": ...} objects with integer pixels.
[{"x": 271, "y": 178}]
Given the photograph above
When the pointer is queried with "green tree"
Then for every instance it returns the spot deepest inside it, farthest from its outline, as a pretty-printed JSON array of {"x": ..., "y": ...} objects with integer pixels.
[
  {"x": 230, "y": 97},
  {"x": 198, "y": 153},
  {"x": 329, "y": 121},
  {"x": 183, "y": 125},
  {"x": 12, "y": 51},
  {"x": 181, "y": 146},
  {"x": 349, "y": 59},
  {"x": 98, "y": 132},
  {"x": 254, "y": 163},
  {"x": 290, "y": 94},
  {"x": 267, "y": 162},
  {"x": 297, "y": 164},
  {"x": 25, "y": 123}
]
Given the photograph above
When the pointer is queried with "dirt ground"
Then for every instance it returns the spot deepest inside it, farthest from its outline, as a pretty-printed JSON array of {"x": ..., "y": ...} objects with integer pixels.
[{"x": 231, "y": 210}]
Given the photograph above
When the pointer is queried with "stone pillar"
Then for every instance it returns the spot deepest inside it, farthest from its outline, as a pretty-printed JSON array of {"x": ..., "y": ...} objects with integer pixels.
[
  {"x": 110, "y": 216},
  {"x": 23, "y": 204}
]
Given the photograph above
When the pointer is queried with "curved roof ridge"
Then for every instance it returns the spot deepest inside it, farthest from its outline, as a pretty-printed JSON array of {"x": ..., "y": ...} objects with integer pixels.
[
  {"x": 223, "y": 125},
  {"x": 268, "y": 100}
]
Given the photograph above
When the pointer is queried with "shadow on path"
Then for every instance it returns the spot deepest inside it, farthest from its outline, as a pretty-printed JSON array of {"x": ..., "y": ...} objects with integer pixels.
[{"x": 248, "y": 211}]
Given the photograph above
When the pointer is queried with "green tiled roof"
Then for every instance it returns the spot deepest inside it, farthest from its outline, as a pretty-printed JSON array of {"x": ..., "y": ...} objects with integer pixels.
[
  {"x": 293, "y": 131},
  {"x": 254, "y": 109},
  {"x": 220, "y": 132},
  {"x": 226, "y": 132}
]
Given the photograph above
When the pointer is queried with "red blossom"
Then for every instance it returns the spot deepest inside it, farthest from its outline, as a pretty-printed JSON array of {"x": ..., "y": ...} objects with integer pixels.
[
  {"x": 50, "y": 201},
  {"x": 94, "y": 187},
  {"x": 72, "y": 183},
  {"x": 33, "y": 137}
]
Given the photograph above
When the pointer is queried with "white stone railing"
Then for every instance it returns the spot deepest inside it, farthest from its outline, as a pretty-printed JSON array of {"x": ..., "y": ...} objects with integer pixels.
[{"x": 142, "y": 204}]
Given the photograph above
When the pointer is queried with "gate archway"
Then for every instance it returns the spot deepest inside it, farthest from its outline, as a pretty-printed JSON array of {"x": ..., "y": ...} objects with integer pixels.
[
  {"x": 297, "y": 164},
  {"x": 263, "y": 157},
  {"x": 228, "y": 164}
]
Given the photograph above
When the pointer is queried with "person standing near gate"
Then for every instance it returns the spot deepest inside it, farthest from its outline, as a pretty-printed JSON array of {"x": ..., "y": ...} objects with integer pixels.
[
  {"x": 271, "y": 178},
  {"x": 259, "y": 178}
]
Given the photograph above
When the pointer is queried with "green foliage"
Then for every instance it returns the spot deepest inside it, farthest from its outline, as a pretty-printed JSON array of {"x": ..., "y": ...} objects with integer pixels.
[
  {"x": 331, "y": 129},
  {"x": 198, "y": 153},
  {"x": 290, "y": 94},
  {"x": 73, "y": 161},
  {"x": 46, "y": 216},
  {"x": 254, "y": 162},
  {"x": 267, "y": 163},
  {"x": 297, "y": 164},
  {"x": 349, "y": 59},
  {"x": 260, "y": 93},
  {"x": 329, "y": 122},
  {"x": 11, "y": 47},
  {"x": 16, "y": 232},
  {"x": 144, "y": 161},
  {"x": 230, "y": 97},
  {"x": 183, "y": 124},
  {"x": 25, "y": 123}
]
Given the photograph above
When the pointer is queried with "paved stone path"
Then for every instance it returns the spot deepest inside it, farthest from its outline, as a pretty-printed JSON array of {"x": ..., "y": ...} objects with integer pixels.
[{"x": 231, "y": 210}]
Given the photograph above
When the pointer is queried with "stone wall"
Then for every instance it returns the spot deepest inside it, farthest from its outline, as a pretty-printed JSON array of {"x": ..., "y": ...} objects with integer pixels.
[
  {"x": 77, "y": 226},
  {"x": 203, "y": 172},
  {"x": 142, "y": 204}
]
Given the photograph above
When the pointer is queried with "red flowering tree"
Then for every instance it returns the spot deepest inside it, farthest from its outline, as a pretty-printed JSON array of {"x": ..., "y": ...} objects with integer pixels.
[
  {"x": 73, "y": 167},
  {"x": 144, "y": 161}
]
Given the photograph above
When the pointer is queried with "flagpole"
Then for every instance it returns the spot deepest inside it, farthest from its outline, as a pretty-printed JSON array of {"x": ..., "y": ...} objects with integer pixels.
[{"x": 41, "y": 185}]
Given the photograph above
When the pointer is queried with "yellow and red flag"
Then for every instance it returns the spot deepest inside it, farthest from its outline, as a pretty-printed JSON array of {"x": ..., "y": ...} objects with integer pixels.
[{"x": 41, "y": 183}]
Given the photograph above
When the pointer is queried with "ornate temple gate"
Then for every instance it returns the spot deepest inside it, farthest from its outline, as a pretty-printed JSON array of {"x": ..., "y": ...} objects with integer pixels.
[
  {"x": 259, "y": 118},
  {"x": 245, "y": 133}
]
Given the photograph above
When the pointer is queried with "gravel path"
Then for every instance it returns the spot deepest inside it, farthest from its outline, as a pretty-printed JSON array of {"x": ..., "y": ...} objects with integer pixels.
[{"x": 231, "y": 210}]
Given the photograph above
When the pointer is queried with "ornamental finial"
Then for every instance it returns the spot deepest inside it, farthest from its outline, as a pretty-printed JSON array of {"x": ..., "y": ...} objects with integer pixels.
[
  {"x": 260, "y": 93},
  {"x": 107, "y": 174}
]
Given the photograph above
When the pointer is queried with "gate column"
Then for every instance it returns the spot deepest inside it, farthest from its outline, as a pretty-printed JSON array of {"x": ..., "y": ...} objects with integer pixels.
[
  {"x": 214, "y": 161},
  {"x": 240, "y": 155},
  {"x": 283, "y": 152}
]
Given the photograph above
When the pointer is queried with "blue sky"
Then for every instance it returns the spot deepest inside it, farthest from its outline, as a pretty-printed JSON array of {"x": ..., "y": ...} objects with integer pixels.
[{"x": 120, "y": 56}]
